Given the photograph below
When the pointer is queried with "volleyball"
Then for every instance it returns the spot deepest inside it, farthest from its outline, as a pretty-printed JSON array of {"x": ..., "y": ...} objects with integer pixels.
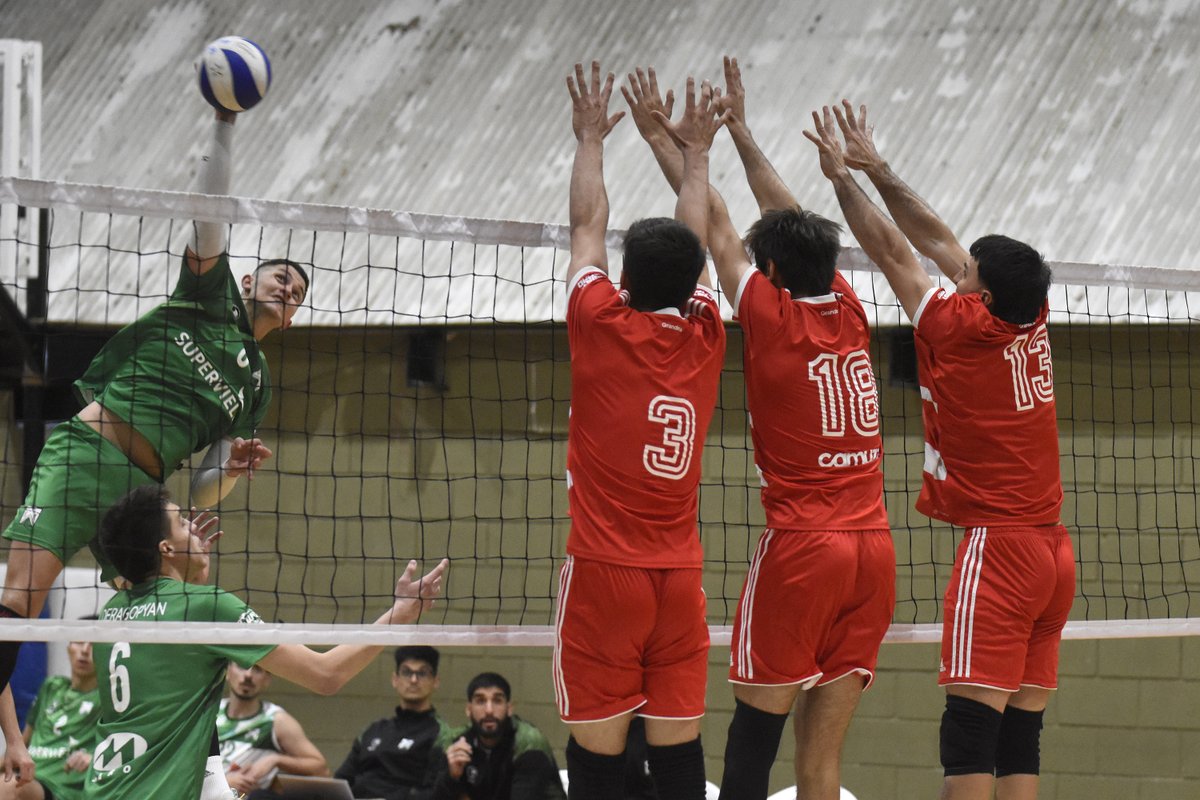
[{"x": 234, "y": 73}]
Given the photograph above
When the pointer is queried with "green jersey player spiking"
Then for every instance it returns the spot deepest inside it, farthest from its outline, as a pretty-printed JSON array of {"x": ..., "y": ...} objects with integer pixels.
[
  {"x": 185, "y": 377},
  {"x": 159, "y": 701}
]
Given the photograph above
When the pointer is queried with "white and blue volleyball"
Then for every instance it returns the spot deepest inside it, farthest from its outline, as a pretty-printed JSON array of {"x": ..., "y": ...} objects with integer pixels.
[{"x": 234, "y": 73}]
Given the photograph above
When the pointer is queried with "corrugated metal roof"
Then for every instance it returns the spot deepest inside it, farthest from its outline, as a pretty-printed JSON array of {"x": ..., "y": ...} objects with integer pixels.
[{"x": 1068, "y": 124}]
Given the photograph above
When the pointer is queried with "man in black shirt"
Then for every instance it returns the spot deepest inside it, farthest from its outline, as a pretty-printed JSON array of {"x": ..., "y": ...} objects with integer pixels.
[
  {"x": 498, "y": 756},
  {"x": 390, "y": 758}
]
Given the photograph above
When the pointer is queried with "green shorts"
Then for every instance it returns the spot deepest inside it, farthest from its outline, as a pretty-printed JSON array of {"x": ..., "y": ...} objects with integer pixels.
[{"x": 78, "y": 476}]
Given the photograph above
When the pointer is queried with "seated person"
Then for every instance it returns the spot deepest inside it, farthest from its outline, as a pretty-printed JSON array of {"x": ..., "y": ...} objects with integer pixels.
[
  {"x": 390, "y": 758},
  {"x": 498, "y": 756},
  {"x": 259, "y": 739},
  {"x": 60, "y": 732}
]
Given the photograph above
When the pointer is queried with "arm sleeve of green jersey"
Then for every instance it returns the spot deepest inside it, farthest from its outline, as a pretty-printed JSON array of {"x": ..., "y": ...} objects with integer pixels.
[
  {"x": 211, "y": 285},
  {"x": 229, "y": 608}
]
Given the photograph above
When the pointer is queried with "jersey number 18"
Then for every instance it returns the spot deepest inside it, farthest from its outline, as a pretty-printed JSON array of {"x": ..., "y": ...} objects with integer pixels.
[{"x": 847, "y": 392}]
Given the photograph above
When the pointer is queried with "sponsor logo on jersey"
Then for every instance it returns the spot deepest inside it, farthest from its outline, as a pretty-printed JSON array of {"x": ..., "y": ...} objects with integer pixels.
[
  {"x": 589, "y": 279},
  {"x": 405, "y": 744},
  {"x": 374, "y": 744},
  {"x": 671, "y": 327},
  {"x": 852, "y": 458},
  {"x": 231, "y": 399},
  {"x": 118, "y": 750},
  {"x": 250, "y": 616},
  {"x": 243, "y": 360},
  {"x": 30, "y": 515}
]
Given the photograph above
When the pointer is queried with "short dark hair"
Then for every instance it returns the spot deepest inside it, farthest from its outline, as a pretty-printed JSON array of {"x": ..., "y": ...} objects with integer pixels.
[
  {"x": 275, "y": 262},
  {"x": 803, "y": 245},
  {"x": 489, "y": 680},
  {"x": 131, "y": 530},
  {"x": 418, "y": 652},
  {"x": 663, "y": 260},
  {"x": 1015, "y": 274}
]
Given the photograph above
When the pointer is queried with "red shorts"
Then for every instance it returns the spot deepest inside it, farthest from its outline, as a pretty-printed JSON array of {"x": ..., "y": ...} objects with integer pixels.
[
  {"x": 1005, "y": 607},
  {"x": 815, "y": 607},
  {"x": 629, "y": 638}
]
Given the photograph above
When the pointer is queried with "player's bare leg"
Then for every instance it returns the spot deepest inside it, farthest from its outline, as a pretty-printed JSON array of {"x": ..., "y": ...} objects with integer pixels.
[
  {"x": 753, "y": 740},
  {"x": 1022, "y": 786},
  {"x": 31, "y": 571},
  {"x": 978, "y": 785},
  {"x": 606, "y": 737},
  {"x": 822, "y": 718}
]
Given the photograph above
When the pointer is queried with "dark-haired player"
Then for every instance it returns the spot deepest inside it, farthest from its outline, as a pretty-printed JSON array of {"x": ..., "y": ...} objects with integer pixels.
[
  {"x": 186, "y": 376},
  {"x": 158, "y": 702},
  {"x": 991, "y": 463},
  {"x": 645, "y": 363},
  {"x": 819, "y": 594}
]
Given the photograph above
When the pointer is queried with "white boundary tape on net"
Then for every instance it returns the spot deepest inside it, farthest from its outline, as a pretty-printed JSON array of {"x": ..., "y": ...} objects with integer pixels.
[
  {"x": 468, "y": 635},
  {"x": 479, "y": 231}
]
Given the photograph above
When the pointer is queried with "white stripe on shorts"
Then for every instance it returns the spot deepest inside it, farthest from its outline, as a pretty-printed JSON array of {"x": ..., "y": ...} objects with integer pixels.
[
  {"x": 564, "y": 589},
  {"x": 963, "y": 633},
  {"x": 745, "y": 665}
]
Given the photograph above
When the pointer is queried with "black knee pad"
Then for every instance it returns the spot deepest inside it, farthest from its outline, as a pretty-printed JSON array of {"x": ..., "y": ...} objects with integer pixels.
[
  {"x": 1019, "y": 749},
  {"x": 969, "y": 736},
  {"x": 594, "y": 776}
]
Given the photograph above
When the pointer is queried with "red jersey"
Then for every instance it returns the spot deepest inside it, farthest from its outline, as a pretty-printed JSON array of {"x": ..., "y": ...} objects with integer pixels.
[
  {"x": 643, "y": 389},
  {"x": 991, "y": 433},
  {"x": 814, "y": 407}
]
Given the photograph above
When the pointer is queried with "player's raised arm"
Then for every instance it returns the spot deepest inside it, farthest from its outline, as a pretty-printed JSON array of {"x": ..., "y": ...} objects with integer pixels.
[
  {"x": 327, "y": 672},
  {"x": 924, "y": 228},
  {"x": 644, "y": 99},
  {"x": 878, "y": 235},
  {"x": 213, "y": 177},
  {"x": 225, "y": 462},
  {"x": 589, "y": 200},
  {"x": 693, "y": 135},
  {"x": 769, "y": 189}
]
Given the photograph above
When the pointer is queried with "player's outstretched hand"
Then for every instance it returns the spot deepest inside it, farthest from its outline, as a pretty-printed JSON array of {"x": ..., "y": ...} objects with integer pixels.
[
  {"x": 833, "y": 162},
  {"x": 208, "y": 526},
  {"x": 414, "y": 595},
  {"x": 734, "y": 99},
  {"x": 18, "y": 766},
  {"x": 700, "y": 121},
  {"x": 245, "y": 456},
  {"x": 859, "y": 136},
  {"x": 644, "y": 99},
  {"x": 589, "y": 104}
]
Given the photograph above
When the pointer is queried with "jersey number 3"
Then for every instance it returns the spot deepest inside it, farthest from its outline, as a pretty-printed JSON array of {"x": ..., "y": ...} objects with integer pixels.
[
  {"x": 847, "y": 388},
  {"x": 672, "y": 458}
]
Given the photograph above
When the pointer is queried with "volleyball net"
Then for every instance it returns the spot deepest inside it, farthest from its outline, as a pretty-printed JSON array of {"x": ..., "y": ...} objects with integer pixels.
[{"x": 420, "y": 410}]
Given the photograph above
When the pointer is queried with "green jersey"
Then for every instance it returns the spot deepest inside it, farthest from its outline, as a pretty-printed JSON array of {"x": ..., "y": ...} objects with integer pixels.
[
  {"x": 244, "y": 741},
  {"x": 188, "y": 373},
  {"x": 63, "y": 720},
  {"x": 159, "y": 701}
]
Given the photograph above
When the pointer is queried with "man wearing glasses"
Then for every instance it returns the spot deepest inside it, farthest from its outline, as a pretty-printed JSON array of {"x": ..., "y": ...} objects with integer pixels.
[{"x": 389, "y": 759}]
